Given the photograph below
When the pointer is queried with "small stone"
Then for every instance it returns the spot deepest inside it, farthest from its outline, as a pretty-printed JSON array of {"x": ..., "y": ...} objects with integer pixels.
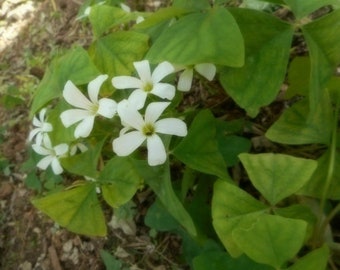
[{"x": 67, "y": 247}]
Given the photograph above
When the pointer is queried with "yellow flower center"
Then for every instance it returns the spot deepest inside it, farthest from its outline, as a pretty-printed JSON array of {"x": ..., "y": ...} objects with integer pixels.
[
  {"x": 148, "y": 86},
  {"x": 148, "y": 129},
  {"x": 94, "y": 108}
]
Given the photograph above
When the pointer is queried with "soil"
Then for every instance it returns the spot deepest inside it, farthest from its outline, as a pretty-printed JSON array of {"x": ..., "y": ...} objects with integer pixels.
[{"x": 31, "y": 33}]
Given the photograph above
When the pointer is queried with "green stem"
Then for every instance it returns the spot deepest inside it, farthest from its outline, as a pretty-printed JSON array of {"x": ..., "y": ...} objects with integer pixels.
[{"x": 330, "y": 172}]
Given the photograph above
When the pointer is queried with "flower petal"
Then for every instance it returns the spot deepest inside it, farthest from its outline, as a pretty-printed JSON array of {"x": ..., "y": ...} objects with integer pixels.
[
  {"x": 75, "y": 97},
  {"x": 36, "y": 122},
  {"x": 42, "y": 114},
  {"x": 126, "y": 82},
  {"x": 56, "y": 167},
  {"x": 207, "y": 70},
  {"x": 154, "y": 111},
  {"x": 124, "y": 145},
  {"x": 171, "y": 126},
  {"x": 46, "y": 127},
  {"x": 61, "y": 149},
  {"x": 33, "y": 133},
  {"x": 137, "y": 99},
  {"x": 164, "y": 90},
  {"x": 45, "y": 162},
  {"x": 156, "y": 150},
  {"x": 185, "y": 80},
  {"x": 72, "y": 116},
  {"x": 130, "y": 117},
  {"x": 107, "y": 107},
  {"x": 94, "y": 87},
  {"x": 41, "y": 150},
  {"x": 143, "y": 70},
  {"x": 84, "y": 128},
  {"x": 161, "y": 71}
]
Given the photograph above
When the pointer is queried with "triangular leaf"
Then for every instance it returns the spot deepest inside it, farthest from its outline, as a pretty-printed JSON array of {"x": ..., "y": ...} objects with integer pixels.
[
  {"x": 199, "y": 149},
  {"x": 75, "y": 65},
  {"x": 267, "y": 54},
  {"x": 104, "y": 17},
  {"x": 233, "y": 208},
  {"x": 294, "y": 127},
  {"x": 114, "y": 54},
  {"x": 271, "y": 240},
  {"x": 317, "y": 259},
  {"x": 323, "y": 39},
  {"x": 315, "y": 187},
  {"x": 193, "y": 39},
  {"x": 303, "y": 8},
  {"x": 77, "y": 209},
  {"x": 119, "y": 180},
  {"x": 277, "y": 176}
]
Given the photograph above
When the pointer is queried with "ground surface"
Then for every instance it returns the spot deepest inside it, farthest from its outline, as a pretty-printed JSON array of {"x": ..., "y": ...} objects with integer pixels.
[{"x": 31, "y": 33}]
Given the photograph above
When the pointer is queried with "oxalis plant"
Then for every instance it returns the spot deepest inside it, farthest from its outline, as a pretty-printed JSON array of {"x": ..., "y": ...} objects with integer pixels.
[{"x": 118, "y": 117}]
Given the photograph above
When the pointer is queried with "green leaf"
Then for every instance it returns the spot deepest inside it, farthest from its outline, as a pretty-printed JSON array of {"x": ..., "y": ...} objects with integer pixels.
[
  {"x": 191, "y": 4},
  {"x": 110, "y": 262},
  {"x": 103, "y": 17},
  {"x": 75, "y": 65},
  {"x": 323, "y": 39},
  {"x": 114, "y": 54},
  {"x": 158, "y": 178},
  {"x": 294, "y": 127},
  {"x": 316, "y": 185},
  {"x": 77, "y": 209},
  {"x": 271, "y": 240},
  {"x": 158, "y": 218},
  {"x": 267, "y": 54},
  {"x": 85, "y": 163},
  {"x": 298, "y": 77},
  {"x": 317, "y": 259},
  {"x": 119, "y": 180},
  {"x": 219, "y": 260},
  {"x": 193, "y": 39},
  {"x": 277, "y": 176},
  {"x": 233, "y": 208},
  {"x": 303, "y": 8},
  {"x": 199, "y": 149}
]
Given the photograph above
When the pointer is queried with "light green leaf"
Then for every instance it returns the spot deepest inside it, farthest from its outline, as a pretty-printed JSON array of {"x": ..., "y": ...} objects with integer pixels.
[
  {"x": 267, "y": 54},
  {"x": 294, "y": 127},
  {"x": 104, "y": 17},
  {"x": 114, "y": 54},
  {"x": 199, "y": 149},
  {"x": 315, "y": 186},
  {"x": 77, "y": 209},
  {"x": 158, "y": 178},
  {"x": 303, "y": 8},
  {"x": 119, "y": 180},
  {"x": 323, "y": 39},
  {"x": 317, "y": 259},
  {"x": 271, "y": 240},
  {"x": 233, "y": 208},
  {"x": 219, "y": 260},
  {"x": 191, "y": 4},
  {"x": 277, "y": 176},
  {"x": 193, "y": 39},
  {"x": 111, "y": 263},
  {"x": 75, "y": 65}
]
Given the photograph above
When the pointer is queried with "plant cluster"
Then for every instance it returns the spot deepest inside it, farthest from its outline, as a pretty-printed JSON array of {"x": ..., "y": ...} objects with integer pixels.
[{"x": 132, "y": 128}]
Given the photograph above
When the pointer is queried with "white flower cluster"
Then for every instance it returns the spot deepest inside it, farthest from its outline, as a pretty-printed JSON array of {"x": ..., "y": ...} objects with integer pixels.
[{"x": 136, "y": 128}]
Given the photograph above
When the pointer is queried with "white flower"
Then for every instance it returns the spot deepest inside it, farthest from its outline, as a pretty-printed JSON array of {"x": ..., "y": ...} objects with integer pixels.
[
  {"x": 41, "y": 127},
  {"x": 78, "y": 146},
  {"x": 148, "y": 83},
  {"x": 87, "y": 109},
  {"x": 52, "y": 155},
  {"x": 127, "y": 9},
  {"x": 207, "y": 70},
  {"x": 147, "y": 129}
]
